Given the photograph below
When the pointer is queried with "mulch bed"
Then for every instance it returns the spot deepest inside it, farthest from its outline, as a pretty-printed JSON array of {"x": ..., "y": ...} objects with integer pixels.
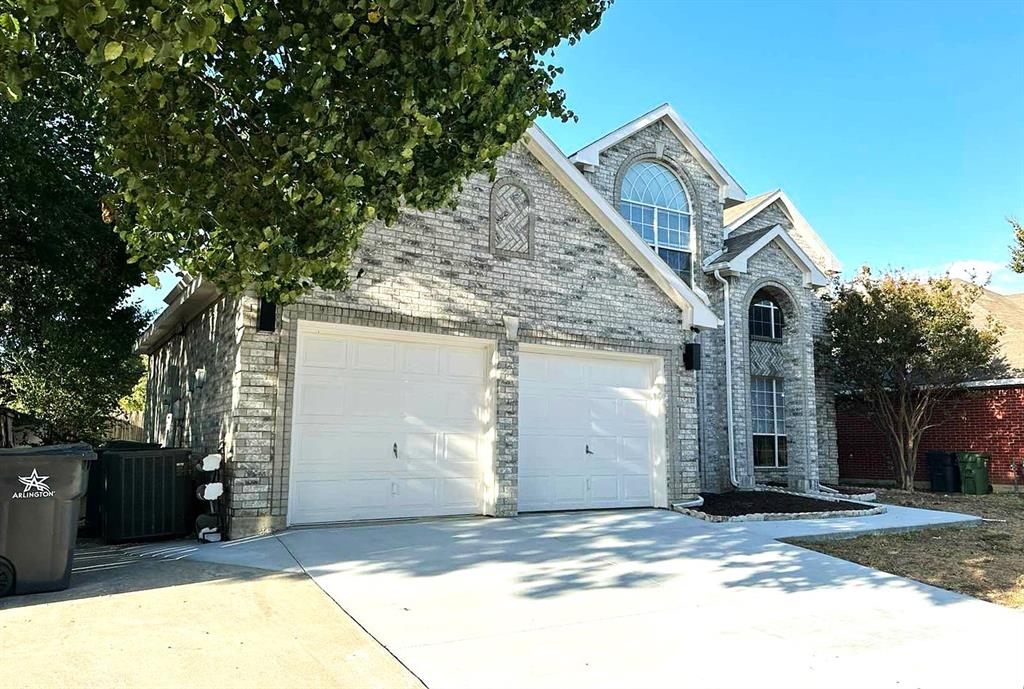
[{"x": 738, "y": 503}]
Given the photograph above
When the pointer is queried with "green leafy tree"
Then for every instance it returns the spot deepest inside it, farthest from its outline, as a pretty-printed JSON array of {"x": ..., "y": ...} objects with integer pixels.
[
  {"x": 903, "y": 345},
  {"x": 1017, "y": 248},
  {"x": 66, "y": 328},
  {"x": 252, "y": 141}
]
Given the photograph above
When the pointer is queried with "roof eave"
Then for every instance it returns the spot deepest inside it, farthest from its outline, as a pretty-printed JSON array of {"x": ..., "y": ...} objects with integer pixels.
[{"x": 190, "y": 300}]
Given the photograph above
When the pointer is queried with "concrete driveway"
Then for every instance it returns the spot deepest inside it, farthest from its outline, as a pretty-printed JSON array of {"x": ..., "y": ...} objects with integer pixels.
[{"x": 645, "y": 598}]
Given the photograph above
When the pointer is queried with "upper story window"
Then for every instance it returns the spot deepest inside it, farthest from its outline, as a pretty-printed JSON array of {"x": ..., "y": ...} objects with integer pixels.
[
  {"x": 655, "y": 204},
  {"x": 765, "y": 318}
]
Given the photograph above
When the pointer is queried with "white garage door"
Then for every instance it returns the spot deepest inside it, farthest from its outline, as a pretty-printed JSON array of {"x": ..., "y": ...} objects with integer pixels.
[
  {"x": 385, "y": 425},
  {"x": 588, "y": 432}
]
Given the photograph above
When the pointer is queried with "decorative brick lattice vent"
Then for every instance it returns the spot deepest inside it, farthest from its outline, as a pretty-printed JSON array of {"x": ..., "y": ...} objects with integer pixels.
[
  {"x": 767, "y": 358},
  {"x": 511, "y": 219}
]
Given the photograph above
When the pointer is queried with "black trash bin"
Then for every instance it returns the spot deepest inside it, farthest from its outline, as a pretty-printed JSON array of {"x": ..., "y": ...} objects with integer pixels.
[
  {"x": 943, "y": 472},
  {"x": 40, "y": 489}
]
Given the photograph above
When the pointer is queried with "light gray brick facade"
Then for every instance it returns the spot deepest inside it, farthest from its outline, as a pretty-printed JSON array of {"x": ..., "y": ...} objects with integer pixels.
[{"x": 566, "y": 280}]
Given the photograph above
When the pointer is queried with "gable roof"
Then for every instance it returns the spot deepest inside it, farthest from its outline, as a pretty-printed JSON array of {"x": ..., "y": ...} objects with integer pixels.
[
  {"x": 739, "y": 249},
  {"x": 694, "y": 305},
  {"x": 590, "y": 155},
  {"x": 734, "y": 216}
]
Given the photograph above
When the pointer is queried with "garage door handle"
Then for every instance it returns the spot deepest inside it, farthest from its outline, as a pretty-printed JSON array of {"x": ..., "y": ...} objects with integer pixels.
[
  {"x": 588, "y": 450},
  {"x": 394, "y": 448}
]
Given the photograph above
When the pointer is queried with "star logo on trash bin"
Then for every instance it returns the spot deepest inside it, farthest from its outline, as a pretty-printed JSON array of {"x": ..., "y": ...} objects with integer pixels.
[{"x": 34, "y": 482}]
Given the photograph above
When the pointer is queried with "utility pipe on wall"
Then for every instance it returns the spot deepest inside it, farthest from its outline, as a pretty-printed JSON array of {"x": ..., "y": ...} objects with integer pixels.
[{"x": 728, "y": 379}]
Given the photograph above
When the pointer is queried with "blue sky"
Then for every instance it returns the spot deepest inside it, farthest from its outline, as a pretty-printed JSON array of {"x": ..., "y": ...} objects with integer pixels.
[{"x": 897, "y": 128}]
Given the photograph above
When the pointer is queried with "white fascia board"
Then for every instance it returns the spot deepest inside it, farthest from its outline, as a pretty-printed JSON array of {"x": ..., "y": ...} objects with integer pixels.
[
  {"x": 813, "y": 277},
  {"x": 590, "y": 155},
  {"x": 695, "y": 309},
  {"x": 190, "y": 300},
  {"x": 799, "y": 223}
]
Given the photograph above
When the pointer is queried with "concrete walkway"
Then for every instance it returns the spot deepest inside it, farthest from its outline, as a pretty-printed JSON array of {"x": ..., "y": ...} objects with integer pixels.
[{"x": 644, "y": 598}]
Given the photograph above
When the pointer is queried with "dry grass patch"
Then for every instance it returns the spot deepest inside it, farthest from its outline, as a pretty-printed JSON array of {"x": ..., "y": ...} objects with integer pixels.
[{"x": 986, "y": 561}]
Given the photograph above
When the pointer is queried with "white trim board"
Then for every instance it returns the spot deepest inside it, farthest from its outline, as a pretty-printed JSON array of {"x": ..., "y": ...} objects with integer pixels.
[
  {"x": 813, "y": 277},
  {"x": 729, "y": 188},
  {"x": 695, "y": 306}
]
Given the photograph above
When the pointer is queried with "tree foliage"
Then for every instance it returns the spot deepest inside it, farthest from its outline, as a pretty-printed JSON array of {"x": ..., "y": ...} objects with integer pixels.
[
  {"x": 1017, "y": 248},
  {"x": 66, "y": 329},
  {"x": 252, "y": 141},
  {"x": 903, "y": 345}
]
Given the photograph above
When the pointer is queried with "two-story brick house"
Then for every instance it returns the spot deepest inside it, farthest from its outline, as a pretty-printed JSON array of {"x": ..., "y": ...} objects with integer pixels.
[{"x": 623, "y": 327}]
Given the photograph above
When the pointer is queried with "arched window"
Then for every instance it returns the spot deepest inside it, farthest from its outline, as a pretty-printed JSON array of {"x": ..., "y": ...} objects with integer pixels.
[
  {"x": 765, "y": 318},
  {"x": 655, "y": 204}
]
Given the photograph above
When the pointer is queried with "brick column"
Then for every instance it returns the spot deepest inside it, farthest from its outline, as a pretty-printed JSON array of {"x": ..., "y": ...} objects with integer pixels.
[{"x": 506, "y": 449}]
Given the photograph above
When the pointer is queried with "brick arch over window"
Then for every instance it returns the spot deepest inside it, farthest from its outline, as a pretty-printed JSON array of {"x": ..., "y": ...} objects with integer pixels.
[
  {"x": 696, "y": 212},
  {"x": 784, "y": 364}
]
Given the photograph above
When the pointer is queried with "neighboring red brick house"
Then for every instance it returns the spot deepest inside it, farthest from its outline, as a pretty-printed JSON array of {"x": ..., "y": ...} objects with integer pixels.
[{"x": 987, "y": 417}]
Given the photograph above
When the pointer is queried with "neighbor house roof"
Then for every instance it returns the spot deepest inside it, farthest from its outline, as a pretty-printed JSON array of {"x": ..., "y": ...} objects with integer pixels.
[
  {"x": 739, "y": 249},
  {"x": 735, "y": 216},
  {"x": 1008, "y": 309},
  {"x": 695, "y": 305},
  {"x": 590, "y": 155}
]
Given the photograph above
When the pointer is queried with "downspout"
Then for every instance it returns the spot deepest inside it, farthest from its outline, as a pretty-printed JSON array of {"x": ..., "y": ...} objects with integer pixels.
[{"x": 728, "y": 379}]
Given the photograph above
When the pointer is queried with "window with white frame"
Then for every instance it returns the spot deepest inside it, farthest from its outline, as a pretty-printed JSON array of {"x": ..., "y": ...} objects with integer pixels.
[
  {"x": 655, "y": 204},
  {"x": 768, "y": 416},
  {"x": 765, "y": 318}
]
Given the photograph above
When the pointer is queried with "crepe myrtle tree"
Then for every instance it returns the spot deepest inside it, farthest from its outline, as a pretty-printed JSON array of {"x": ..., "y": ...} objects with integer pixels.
[
  {"x": 902, "y": 345},
  {"x": 251, "y": 141}
]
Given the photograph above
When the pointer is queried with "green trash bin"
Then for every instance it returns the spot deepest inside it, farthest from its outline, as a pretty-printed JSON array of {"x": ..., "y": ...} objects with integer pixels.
[{"x": 974, "y": 472}]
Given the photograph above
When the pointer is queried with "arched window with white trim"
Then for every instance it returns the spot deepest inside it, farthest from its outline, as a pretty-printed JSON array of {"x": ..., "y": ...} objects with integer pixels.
[{"x": 655, "y": 204}]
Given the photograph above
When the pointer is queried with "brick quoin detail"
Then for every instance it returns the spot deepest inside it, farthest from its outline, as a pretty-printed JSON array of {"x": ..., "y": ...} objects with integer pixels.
[{"x": 990, "y": 420}]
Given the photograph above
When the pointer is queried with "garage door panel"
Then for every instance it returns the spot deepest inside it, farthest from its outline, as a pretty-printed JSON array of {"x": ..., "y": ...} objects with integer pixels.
[
  {"x": 387, "y": 395},
  {"x": 320, "y": 399},
  {"x": 637, "y": 488},
  {"x": 612, "y": 373},
  {"x": 569, "y": 490},
  {"x": 535, "y": 493},
  {"x": 459, "y": 493},
  {"x": 323, "y": 352},
  {"x": 466, "y": 364},
  {"x": 604, "y": 488},
  {"x": 421, "y": 359},
  {"x": 374, "y": 355},
  {"x": 461, "y": 449}
]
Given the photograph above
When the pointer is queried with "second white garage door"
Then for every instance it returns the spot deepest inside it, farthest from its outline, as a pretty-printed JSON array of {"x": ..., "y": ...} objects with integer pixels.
[
  {"x": 387, "y": 424},
  {"x": 590, "y": 432}
]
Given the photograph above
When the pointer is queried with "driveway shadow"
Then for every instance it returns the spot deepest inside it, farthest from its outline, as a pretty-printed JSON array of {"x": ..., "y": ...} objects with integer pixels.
[{"x": 567, "y": 553}]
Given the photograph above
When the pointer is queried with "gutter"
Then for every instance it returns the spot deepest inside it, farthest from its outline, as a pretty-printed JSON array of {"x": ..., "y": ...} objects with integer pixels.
[{"x": 728, "y": 380}]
